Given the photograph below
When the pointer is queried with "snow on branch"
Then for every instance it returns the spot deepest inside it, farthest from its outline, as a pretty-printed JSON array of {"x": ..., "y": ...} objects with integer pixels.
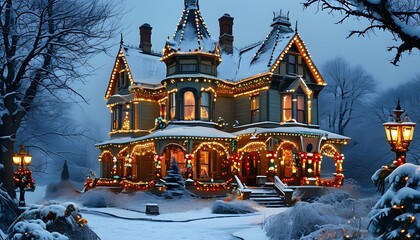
[{"x": 399, "y": 17}]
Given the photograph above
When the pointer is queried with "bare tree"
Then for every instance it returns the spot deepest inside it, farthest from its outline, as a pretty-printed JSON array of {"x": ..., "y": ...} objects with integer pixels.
[
  {"x": 44, "y": 45},
  {"x": 399, "y": 17},
  {"x": 348, "y": 87}
]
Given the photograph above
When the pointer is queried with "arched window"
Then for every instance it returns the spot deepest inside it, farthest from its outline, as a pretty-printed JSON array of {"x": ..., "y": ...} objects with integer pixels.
[
  {"x": 189, "y": 106},
  {"x": 205, "y": 106}
]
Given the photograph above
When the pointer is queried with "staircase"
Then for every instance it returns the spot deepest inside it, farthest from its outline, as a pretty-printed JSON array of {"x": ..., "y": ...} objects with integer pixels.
[{"x": 267, "y": 196}]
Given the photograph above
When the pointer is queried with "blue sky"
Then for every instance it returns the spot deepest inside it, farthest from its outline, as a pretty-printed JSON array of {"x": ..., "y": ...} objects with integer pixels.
[{"x": 324, "y": 39}]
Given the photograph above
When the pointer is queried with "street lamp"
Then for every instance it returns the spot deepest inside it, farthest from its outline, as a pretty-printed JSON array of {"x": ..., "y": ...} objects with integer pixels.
[
  {"x": 399, "y": 134},
  {"x": 23, "y": 176}
]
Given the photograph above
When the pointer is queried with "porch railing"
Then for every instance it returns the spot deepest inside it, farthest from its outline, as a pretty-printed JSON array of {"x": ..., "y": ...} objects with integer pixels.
[
  {"x": 284, "y": 189},
  {"x": 241, "y": 187}
]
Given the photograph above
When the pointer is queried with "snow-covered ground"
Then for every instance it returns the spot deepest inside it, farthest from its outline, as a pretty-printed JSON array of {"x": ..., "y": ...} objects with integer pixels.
[{"x": 176, "y": 220}]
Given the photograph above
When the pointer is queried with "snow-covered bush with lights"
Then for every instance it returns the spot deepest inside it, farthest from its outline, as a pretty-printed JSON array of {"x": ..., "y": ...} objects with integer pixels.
[
  {"x": 52, "y": 221},
  {"x": 397, "y": 214},
  {"x": 335, "y": 215}
]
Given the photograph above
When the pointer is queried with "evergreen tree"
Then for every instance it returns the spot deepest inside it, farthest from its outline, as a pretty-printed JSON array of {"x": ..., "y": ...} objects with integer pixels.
[
  {"x": 174, "y": 182},
  {"x": 65, "y": 175},
  {"x": 396, "y": 215}
]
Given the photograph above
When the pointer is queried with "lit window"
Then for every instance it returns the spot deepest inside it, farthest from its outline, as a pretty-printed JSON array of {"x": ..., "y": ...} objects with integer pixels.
[
  {"x": 287, "y": 108},
  {"x": 301, "y": 109},
  {"x": 205, "y": 106},
  {"x": 189, "y": 106},
  {"x": 172, "y": 104},
  {"x": 255, "y": 108}
]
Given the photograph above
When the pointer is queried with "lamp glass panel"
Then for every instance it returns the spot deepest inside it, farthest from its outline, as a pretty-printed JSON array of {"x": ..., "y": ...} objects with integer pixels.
[
  {"x": 394, "y": 134},
  {"x": 27, "y": 159},
  {"x": 16, "y": 160},
  {"x": 407, "y": 133}
]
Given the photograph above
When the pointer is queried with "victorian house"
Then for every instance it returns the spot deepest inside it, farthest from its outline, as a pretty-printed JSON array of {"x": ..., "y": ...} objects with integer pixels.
[{"x": 217, "y": 109}]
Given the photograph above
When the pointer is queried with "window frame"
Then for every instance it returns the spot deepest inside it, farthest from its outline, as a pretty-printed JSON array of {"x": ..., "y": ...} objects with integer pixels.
[
  {"x": 172, "y": 105},
  {"x": 190, "y": 107},
  {"x": 255, "y": 108},
  {"x": 287, "y": 109},
  {"x": 203, "y": 106},
  {"x": 184, "y": 64}
]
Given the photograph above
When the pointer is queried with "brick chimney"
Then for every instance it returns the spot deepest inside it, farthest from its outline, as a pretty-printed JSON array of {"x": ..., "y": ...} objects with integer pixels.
[
  {"x": 145, "y": 38},
  {"x": 226, "y": 33}
]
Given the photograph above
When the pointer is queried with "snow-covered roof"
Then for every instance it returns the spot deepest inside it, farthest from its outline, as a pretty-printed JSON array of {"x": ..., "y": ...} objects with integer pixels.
[
  {"x": 257, "y": 58},
  {"x": 120, "y": 98},
  {"x": 144, "y": 68},
  {"x": 188, "y": 131},
  {"x": 292, "y": 130},
  {"x": 191, "y": 32},
  {"x": 175, "y": 131}
]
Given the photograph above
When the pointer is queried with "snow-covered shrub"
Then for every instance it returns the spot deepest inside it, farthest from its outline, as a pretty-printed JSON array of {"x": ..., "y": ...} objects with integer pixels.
[
  {"x": 8, "y": 211},
  {"x": 51, "y": 222},
  {"x": 98, "y": 198},
  {"x": 397, "y": 214},
  {"x": 315, "y": 219},
  {"x": 34, "y": 229},
  {"x": 232, "y": 207}
]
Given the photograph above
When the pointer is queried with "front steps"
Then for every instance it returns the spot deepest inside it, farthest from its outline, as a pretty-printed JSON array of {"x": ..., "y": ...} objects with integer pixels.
[{"x": 267, "y": 196}]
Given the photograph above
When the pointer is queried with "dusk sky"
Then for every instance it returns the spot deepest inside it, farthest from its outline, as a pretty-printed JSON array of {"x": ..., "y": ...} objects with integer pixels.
[{"x": 325, "y": 40}]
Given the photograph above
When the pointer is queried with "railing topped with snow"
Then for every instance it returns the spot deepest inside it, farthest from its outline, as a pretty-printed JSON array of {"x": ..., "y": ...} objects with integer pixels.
[
  {"x": 245, "y": 191},
  {"x": 284, "y": 189}
]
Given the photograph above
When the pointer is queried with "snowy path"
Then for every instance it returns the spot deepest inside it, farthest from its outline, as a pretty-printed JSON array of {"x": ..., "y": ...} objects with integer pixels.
[{"x": 184, "y": 225}]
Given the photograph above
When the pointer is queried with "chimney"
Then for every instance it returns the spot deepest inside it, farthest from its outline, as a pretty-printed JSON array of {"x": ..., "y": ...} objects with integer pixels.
[
  {"x": 145, "y": 38},
  {"x": 226, "y": 35}
]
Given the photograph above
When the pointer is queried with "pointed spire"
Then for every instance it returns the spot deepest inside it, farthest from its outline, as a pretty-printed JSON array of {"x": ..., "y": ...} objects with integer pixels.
[
  {"x": 296, "y": 26},
  {"x": 121, "y": 40},
  {"x": 191, "y": 4},
  {"x": 191, "y": 33}
]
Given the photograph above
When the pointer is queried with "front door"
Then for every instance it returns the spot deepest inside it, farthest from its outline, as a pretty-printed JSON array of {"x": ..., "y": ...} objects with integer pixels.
[{"x": 250, "y": 168}]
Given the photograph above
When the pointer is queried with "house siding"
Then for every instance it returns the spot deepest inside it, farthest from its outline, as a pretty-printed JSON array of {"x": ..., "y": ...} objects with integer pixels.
[
  {"x": 242, "y": 109},
  {"x": 148, "y": 112}
]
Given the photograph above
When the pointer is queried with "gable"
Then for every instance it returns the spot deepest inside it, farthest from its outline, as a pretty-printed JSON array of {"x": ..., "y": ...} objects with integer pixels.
[
  {"x": 120, "y": 66},
  {"x": 296, "y": 43}
]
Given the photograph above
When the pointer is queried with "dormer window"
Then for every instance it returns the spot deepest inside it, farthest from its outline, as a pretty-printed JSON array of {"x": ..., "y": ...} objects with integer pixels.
[{"x": 189, "y": 106}]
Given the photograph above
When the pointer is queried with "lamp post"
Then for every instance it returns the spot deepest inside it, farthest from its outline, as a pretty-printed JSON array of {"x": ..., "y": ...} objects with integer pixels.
[
  {"x": 399, "y": 133},
  {"x": 22, "y": 176}
]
